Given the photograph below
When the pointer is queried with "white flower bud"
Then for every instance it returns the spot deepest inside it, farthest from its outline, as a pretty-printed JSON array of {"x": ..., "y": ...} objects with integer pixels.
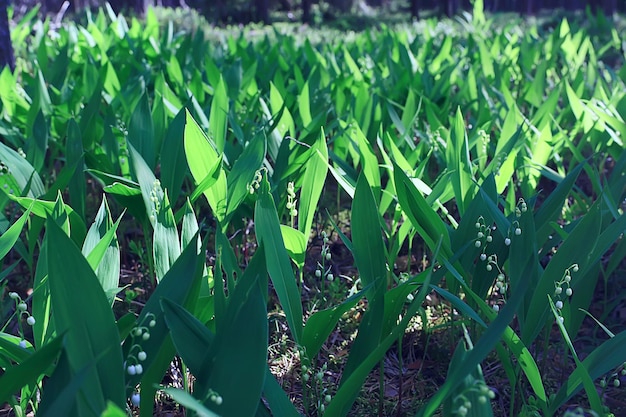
[
  {"x": 218, "y": 400},
  {"x": 330, "y": 277},
  {"x": 131, "y": 370},
  {"x": 489, "y": 267},
  {"x": 477, "y": 243},
  {"x": 318, "y": 273},
  {"x": 559, "y": 304},
  {"x": 135, "y": 399},
  {"x": 483, "y": 256},
  {"x": 145, "y": 336},
  {"x": 496, "y": 308},
  {"x": 13, "y": 295},
  {"x": 23, "y": 344},
  {"x": 22, "y": 306},
  {"x": 142, "y": 356},
  {"x": 569, "y": 292},
  {"x": 152, "y": 323},
  {"x": 575, "y": 268},
  {"x": 477, "y": 225},
  {"x": 507, "y": 241},
  {"x": 480, "y": 234},
  {"x": 328, "y": 256},
  {"x": 489, "y": 238},
  {"x": 30, "y": 320},
  {"x": 138, "y": 369},
  {"x": 518, "y": 231},
  {"x": 327, "y": 398}
]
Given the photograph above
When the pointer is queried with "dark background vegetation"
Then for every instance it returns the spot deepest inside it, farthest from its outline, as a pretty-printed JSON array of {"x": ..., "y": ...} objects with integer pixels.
[{"x": 306, "y": 11}]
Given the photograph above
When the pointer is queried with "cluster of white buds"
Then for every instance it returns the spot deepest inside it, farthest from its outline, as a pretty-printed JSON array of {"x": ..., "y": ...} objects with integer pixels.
[
  {"x": 483, "y": 234},
  {"x": 256, "y": 182},
  {"x": 485, "y": 394},
  {"x": 501, "y": 283},
  {"x": 323, "y": 268},
  {"x": 136, "y": 354},
  {"x": 520, "y": 207},
  {"x": 615, "y": 377},
  {"x": 563, "y": 286},
  {"x": 291, "y": 200},
  {"x": 483, "y": 138},
  {"x": 156, "y": 196},
  {"x": 215, "y": 397},
  {"x": 21, "y": 308}
]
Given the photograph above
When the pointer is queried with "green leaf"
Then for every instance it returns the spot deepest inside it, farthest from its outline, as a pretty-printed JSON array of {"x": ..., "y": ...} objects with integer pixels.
[
  {"x": 243, "y": 171},
  {"x": 88, "y": 333},
  {"x": 295, "y": 243},
  {"x": 102, "y": 250},
  {"x": 268, "y": 233},
  {"x": 321, "y": 323},
  {"x": 12, "y": 234},
  {"x": 428, "y": 224},
  {"x": 278, "y": 401},
  {"x": 26, "y": 180},
  {"x": 30, "y": 370},
  {"x": 177, "y": 286},
  {"x": 189, "y": 402},
  {"x": 218, "y": 118},
  {"x": 316, "y": 169},
  {"x": 458, "y": 160},
  {"x": 173, "y": 164},
  {"x": 141, "y": 132},
  {"x": 369, "y": 256},
  {"x": 236, "y": 363},
  {"x": 191, "y": 338},
  {"x": 74, "y": 155},
  {"x": 203, "y": 160},
  {"x": 165, "y": 240}
]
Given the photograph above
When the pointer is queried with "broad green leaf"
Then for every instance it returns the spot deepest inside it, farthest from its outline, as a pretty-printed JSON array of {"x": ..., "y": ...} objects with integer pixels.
[
  {"x": 102, "y": 250},
  {"x": 74, "y": 155},
  {"x": 347, "y": 392},
  {"x": 202, "y": 159},
  {"x": 458, "y": 160},
  {"x": 428, "y": 224},
  {"x": 268, "y": 233},
  {"x": 12, "y": 234},
  {"x": 88, "y": 333},
  {"x": 369, "y": 256},
  {"x": 236, "y": 363},
  {"x": 277, "y": 399},
  {"x": 173, "y": 164},
  {"x": 218, "y": 118},
  {"x": 141, "y": 132},
  {"x": 243, "y": 172},
  {"x": 191, "y": 338},
  {"x": 313, "y": 184},
  {"x": 27, "y": 180},
  {"x": 31, "y": 369},
  {"x": 295, "y": 244},
  {"x": 321, "y": 324},
  {"x": 178, "y": 285},
  {"x": 165, "y": 240},
  {"x": 569, "y": 253}
]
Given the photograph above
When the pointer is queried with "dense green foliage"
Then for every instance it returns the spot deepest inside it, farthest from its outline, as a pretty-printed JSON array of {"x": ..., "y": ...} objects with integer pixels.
[{"x": 494, "y": 151}]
